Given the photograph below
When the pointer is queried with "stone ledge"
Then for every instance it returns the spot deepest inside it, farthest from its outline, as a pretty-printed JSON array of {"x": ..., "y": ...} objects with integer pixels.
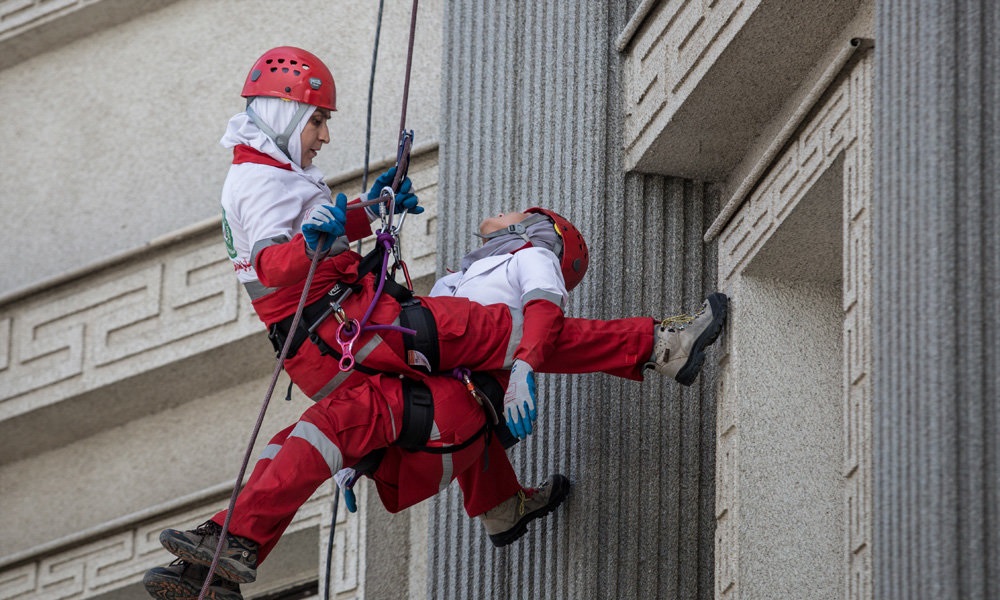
[
  {"x": 703, "y": 80},
  {"x": 32, "y": 27}
]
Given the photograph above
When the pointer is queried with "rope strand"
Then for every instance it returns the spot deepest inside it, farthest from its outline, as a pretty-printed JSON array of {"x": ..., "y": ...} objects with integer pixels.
[{"x": 279, "y": 365}]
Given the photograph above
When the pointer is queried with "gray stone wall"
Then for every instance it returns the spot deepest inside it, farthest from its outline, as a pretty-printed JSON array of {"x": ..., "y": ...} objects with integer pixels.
[
  {"x": 936, "y": 314},
  {"x": 532, "y": 115}
]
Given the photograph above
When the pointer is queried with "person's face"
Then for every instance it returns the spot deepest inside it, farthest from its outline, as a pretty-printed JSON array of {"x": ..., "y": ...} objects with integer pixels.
[
  {"x": 501, "y": 221},
  {"x": 314, "y": 135}
]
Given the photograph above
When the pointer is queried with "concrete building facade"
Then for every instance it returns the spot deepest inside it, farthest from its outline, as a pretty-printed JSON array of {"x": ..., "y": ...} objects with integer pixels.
[{"x": 828, "y": 165}]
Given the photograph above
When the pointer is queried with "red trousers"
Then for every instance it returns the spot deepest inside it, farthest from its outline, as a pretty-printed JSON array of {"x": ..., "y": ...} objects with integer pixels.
[
  {"x": 341, "y": 429},
  {"x": 364, "y": 413},
  {"x": 480, "y": 338}
]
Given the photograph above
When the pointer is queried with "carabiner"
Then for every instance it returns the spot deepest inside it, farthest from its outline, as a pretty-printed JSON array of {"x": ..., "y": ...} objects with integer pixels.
[{"x": 346, "y": 345}]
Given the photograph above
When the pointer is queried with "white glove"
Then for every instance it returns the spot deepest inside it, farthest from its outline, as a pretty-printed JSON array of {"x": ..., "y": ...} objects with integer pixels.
[
  {"x": 345, "y": 479},
  {"x": 519, "y": 399}
]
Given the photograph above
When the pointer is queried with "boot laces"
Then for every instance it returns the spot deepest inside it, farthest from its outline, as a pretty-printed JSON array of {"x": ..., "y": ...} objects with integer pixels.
[
  {"x": 208, "y": 528},
  {"x": 521, "y": 497},
  {"x": 677, "y": 321},
  {"x": 183, "y": 564}
]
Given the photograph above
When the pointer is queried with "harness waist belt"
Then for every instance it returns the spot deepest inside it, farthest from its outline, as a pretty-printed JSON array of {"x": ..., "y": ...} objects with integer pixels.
[
  {"x": 422, "y": 348},
  {"x": 278, "y": 332}
]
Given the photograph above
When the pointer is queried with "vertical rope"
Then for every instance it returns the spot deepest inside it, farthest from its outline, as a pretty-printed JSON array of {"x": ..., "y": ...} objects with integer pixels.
[{"x": 279, "y": 365}]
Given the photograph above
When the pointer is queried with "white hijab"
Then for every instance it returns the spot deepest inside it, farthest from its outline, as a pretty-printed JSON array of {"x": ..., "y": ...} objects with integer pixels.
[{"x": 277, "y": 113}]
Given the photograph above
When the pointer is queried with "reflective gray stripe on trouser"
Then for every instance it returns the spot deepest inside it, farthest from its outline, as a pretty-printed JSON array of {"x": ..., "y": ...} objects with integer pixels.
[
  {"x": 339, "y": 378},
  {"x": 447, "y": 468},
  {"x": 447, "y": 465},
  {"x": 516, "y": 333},
  {"x": 269, "y": 452},
  {"x": 318, "y": 440}
]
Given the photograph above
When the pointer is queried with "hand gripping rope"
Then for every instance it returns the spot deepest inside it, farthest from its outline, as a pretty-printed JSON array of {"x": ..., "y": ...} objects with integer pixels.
[{"x": 388, "y": 238}]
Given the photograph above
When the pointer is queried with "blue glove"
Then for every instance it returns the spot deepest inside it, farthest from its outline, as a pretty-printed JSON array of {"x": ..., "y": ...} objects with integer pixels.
[
  {"x": 406, "y": 201},
  {"x": 519, "y": 399},
  {"x": 325, "y": 220},
  {"x": 350, "y": 500}
]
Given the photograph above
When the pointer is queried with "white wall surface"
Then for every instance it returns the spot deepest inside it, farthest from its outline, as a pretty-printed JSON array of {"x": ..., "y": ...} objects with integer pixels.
[{"x": 112, "y": 140}]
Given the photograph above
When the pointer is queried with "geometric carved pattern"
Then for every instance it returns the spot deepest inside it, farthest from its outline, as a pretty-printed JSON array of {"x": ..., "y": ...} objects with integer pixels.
[
  {"x": 832, "y": 131},
  {"x": 95, "y": 329},
  {"x": 681, "y": 39},
  {"x": 22, "y": 15},
  {"x": 841, "y": 127},
  {"x": 857, "y": 364},
  {"x": 117, "y": 560}
]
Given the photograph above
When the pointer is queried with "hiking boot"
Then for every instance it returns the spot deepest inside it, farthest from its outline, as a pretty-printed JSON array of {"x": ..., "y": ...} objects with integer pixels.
[
  {"x": 509, "y": 520},
  {"x": 237, "y": 561},
  {"x": 182, "y": 580},
  {"x": 679, "y": 349}
]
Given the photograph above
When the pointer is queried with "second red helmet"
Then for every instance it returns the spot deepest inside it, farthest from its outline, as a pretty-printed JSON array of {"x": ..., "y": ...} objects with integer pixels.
[
  {"x": 575, "y": 257},
  {"x": 294, "y": 74}
]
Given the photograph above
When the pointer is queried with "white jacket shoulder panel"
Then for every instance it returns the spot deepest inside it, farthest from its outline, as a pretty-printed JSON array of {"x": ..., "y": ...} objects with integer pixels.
[
  {"x": 506, "y": 279},
  {"x": 261, "y": 203}
]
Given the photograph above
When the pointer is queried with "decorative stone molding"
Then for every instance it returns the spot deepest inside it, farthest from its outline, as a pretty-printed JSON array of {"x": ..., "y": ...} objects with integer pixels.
[
  {"x": 857, "y": 365},
  {"x": 120, "y": 559},
  {"x": 173, "y": 303},
  {"x": 31, "y": 27},
  {"x": 840, "y": 127},
  {"x": 681, "y": 39}
]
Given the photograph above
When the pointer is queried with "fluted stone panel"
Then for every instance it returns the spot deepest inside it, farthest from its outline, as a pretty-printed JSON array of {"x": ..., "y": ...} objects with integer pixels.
[
  {"x": 936, "y": 314},
  {"x": 532, "y": 114}
]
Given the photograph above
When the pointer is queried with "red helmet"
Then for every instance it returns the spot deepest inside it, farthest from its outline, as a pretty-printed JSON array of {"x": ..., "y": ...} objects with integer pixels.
[
  {"x": 292, "y": 73},
  {"x": 575, "y": 257}
]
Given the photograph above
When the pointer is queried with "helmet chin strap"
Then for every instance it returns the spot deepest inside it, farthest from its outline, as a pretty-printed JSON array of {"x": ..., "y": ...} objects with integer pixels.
[
  {"x": 282, "y": 139},
  {"x": 519, "y": 229}
]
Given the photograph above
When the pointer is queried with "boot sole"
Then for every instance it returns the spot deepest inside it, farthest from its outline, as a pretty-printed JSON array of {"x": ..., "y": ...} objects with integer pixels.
[
  {"x": 170, "y": 588},
  {"x": 560, "y": 489},
  {"x": 719, "y": 304},
  {"x": 203, "y": 555}
]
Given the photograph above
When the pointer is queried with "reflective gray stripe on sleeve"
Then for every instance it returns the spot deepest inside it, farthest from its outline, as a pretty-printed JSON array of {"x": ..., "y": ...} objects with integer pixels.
[
  {"x": 516, "y": 333},
  {"x": 269, "y": 452},
  {"x": 261, "y": 244},
  {"x": 537, "y": 294},
  {"x": 339, "y": 378},
  {"x": 327, "y": 449},
  {"x": 257, "y": 289},
  {"x": 435, "y": 433}
]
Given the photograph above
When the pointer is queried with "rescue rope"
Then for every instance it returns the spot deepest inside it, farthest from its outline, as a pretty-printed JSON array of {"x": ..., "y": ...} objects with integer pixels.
[
  {"x": 364, "y": 189},
  {"x": 279, "y": 365}
]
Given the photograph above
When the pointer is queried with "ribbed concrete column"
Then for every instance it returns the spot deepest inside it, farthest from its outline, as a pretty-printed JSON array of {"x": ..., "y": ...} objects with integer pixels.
[
  {"x": 533, "y": 115},
  {"x": 936, "y": 301}
]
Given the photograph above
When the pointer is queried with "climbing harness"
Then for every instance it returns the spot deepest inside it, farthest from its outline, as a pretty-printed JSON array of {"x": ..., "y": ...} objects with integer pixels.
[{"x": 418, "y": 422}]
